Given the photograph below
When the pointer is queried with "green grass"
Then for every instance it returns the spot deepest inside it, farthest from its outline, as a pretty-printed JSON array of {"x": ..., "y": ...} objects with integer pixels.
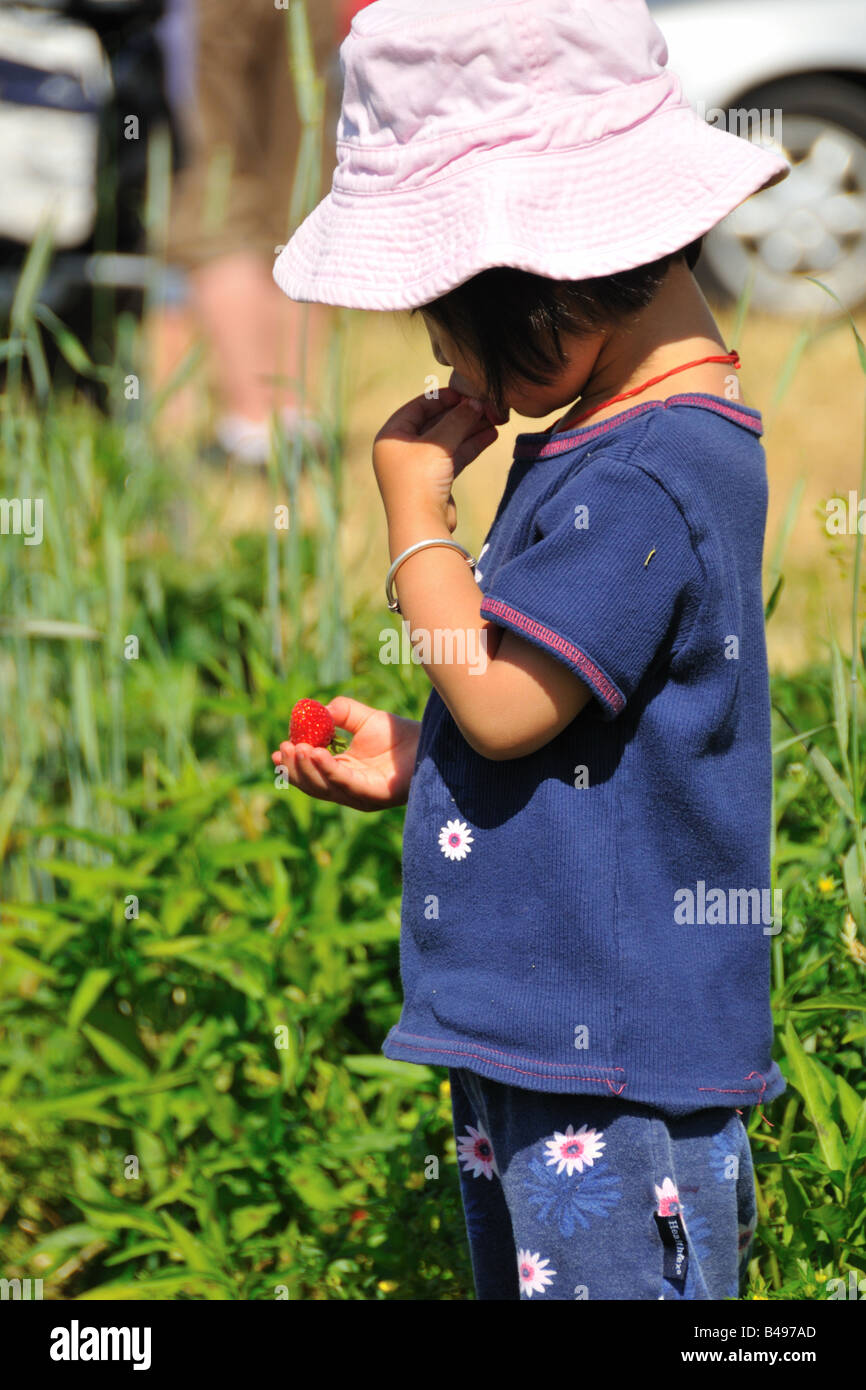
[{"x": 197, "y": 968}]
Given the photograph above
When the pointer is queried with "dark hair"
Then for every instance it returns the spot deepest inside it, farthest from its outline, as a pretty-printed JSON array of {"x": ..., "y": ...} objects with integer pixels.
[{"x": 511, "y": 320}]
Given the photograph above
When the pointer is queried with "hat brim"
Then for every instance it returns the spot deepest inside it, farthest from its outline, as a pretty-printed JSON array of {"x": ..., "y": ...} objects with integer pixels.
[{"x": 569, "y": 215}]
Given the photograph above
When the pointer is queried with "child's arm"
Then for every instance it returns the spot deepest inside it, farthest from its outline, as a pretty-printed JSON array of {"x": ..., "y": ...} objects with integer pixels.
[
  {"x": 516, "y": 702},
  {"x": 520, "y": 698}
]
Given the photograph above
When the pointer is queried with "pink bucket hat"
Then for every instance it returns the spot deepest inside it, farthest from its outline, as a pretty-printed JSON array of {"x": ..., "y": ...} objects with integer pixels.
[{"x": 547, "y": 135}]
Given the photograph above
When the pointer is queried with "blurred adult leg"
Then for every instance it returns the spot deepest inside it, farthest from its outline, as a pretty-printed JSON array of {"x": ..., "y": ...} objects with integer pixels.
[{"x": 232, "y": 206}]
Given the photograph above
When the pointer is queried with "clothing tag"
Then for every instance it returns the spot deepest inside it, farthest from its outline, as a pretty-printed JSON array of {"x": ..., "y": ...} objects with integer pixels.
[{"x": 673, "y": 1234}]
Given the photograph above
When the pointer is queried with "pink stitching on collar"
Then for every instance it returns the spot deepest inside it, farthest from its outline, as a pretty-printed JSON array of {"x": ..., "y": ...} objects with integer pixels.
[{"x": 562, "y": 444}]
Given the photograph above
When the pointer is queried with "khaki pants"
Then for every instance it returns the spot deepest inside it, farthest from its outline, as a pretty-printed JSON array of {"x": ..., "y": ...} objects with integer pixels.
[{"x": 243, "y": 135}]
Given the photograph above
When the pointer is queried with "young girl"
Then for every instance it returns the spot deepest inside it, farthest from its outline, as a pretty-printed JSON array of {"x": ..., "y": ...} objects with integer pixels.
[{"x": 585, "y": 933}]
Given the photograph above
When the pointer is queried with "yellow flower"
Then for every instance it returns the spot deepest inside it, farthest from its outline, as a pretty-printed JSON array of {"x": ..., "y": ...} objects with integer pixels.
[
  {"x": 386, "y": 1285},
  {"x": 760, "y": 1298},
  {"x": 445, "y": 1088},
  {"x": 820, "y": 1276},
  {"x": 826, "y": 885}
]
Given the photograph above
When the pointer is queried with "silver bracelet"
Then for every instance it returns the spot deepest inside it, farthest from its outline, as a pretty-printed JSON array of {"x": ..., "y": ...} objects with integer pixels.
[{"x": 419, "y": 545}]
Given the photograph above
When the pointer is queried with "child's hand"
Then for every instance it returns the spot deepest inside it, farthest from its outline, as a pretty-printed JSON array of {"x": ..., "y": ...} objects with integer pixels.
[
  {"x": 422, "y": 448},
  {"x": 372, "y": 774},
  {"x": 458, "y": 383}
]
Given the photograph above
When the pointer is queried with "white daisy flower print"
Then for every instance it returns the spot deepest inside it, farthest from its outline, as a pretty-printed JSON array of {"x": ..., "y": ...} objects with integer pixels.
[
  {"x": 668, "y": 1199},
  {"x": 570, "y": 1150},
  {"x": 533, "y": 1274},
  {"x": 475, "y": 1152},
  {"x": 455, "y": 839}
]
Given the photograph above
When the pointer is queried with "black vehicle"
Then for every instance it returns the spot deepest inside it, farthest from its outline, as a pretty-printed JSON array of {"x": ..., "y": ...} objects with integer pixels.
[{"x": 82, "y": 94}]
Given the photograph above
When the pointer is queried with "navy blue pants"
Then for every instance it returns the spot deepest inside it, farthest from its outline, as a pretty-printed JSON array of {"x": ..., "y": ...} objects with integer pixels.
[{"x": 573, "y": 1196}]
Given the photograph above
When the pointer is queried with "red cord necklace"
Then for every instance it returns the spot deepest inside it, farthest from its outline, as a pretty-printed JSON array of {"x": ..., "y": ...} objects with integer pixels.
[{"x": 732, "y": 357}]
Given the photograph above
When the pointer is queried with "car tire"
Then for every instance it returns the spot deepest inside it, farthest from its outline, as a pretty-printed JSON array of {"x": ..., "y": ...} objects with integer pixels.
[{"x": 730, "y": 255}]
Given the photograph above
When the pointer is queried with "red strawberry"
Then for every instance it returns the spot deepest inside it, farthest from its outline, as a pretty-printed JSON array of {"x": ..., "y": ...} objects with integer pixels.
[{"x": 311, "y": 723}]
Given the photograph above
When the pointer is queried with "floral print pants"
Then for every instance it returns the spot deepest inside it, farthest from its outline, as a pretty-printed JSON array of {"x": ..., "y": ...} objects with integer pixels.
[{"x": 574, "y": 1197}]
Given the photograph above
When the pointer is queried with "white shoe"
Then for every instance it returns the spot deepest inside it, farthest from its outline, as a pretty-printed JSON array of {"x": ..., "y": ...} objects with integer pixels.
[{"x": 249, "y": 441}]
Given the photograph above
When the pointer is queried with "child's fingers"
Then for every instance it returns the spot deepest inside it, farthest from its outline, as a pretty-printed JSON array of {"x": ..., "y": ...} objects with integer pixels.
[
  {"x": 456, "y": 425},
  {"x": 303, "y": 774},
  {"x": 328, "y": 778},
  {"x": 472, "y": 447},
  {"x": 285, "y": 757},
  {"x": 312, "y": 766},
  {"x": 432, "y": 420},
  {"x": 415, "y": 416},
  {"x": 318, "y": 773},
  {"x": 343, "y": 776},
  {"x": 349, "y": 714}
]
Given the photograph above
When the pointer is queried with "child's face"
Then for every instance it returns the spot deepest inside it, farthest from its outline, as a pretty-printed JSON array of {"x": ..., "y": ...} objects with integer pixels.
[
  {"x": 527, "y": 398},
  {"x": 466, "y": 377}
]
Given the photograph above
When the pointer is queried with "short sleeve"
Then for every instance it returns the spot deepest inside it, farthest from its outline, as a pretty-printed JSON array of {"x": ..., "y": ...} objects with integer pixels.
[{"x": 612, "y": 575}]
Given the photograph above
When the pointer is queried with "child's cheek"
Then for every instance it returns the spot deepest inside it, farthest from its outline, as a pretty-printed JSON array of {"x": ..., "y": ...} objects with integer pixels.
[{"x": 459, "y": 383}]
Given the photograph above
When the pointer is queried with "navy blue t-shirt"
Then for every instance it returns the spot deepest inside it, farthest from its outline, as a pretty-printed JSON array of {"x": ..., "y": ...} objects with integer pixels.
[{"x": 596, "y": 916}]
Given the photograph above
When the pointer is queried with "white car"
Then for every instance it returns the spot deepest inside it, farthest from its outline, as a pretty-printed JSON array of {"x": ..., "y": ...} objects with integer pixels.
[{"x": 791, "y": 74}]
